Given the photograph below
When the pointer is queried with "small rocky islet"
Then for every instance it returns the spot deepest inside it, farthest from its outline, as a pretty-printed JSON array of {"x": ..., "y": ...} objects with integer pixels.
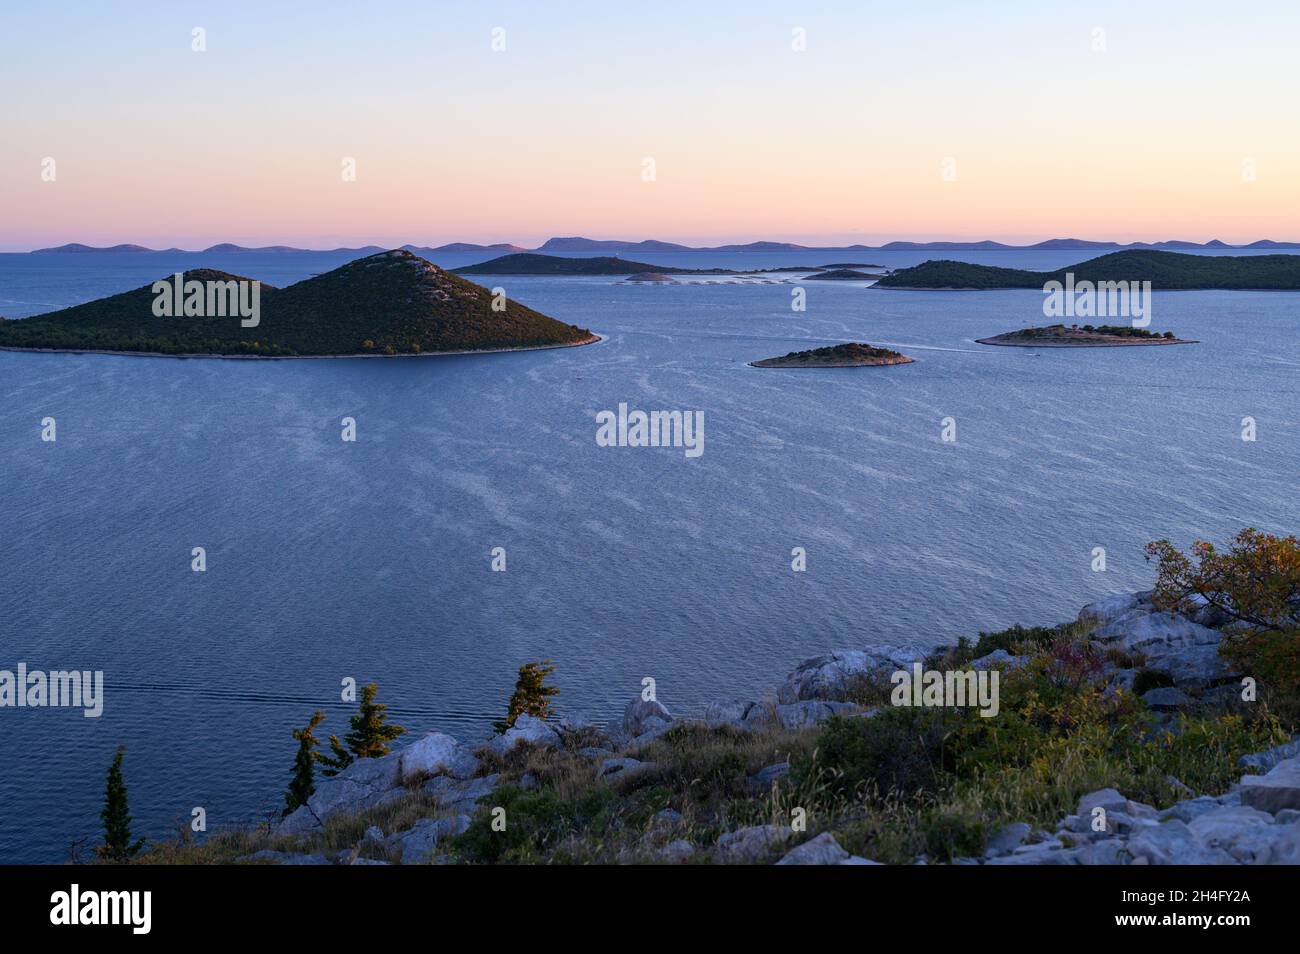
[
  {"x": 1086, "y": 336},
  {"x": 849, "y": 355}
]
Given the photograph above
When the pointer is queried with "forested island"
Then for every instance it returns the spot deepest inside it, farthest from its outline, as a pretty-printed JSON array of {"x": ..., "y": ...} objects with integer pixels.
[
  {"x": 1165, "y": 271},
  {"x": 1083, "y": 336},
  {"x": 849, "y": 355},
  {"x": 392, "y": 303}
]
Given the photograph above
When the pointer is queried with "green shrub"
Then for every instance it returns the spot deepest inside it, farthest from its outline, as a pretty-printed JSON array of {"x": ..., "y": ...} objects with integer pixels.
[
  {"x": 534, "y": 822},
  {"x": 901, "y": 750}
]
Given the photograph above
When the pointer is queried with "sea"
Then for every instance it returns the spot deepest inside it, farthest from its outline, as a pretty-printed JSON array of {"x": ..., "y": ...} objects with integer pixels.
[{"x": 329, "y": 561}]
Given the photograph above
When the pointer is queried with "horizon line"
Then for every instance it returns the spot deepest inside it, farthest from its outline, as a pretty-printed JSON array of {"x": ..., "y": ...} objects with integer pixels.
[{"x": 1064, "y": 243}]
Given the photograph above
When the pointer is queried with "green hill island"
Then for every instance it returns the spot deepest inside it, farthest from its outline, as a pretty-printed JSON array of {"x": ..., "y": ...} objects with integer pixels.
[
  {"x": 392, "y": 303},
  {"x": 850, "y": 355},
  {"x": 1165, "y": 270},
  {"x": 1087, "y": 336}
]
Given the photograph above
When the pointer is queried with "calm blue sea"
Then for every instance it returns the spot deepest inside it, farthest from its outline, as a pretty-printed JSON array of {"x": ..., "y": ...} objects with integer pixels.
[{"x": 371, "y": 560}]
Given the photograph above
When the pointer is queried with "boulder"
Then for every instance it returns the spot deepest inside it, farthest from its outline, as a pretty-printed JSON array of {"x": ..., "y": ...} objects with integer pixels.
[
  {"x": 668, "y": 817},
  {"x": 1263, "y": 761},
  {"x": 417, "y": 844},
  {"x": 638, "y": 711},
  {"x": 1167, "y": 699},
  {"x": 435, "y": 753},
  {"x": 1277, "y": 790},
  {"x": 1108, "y": 851},
  {"x": 747, "y": 845},
  {"x": 677, "y": 852},
  {"x": 801, "y": 715},
  {"x": 528, "y": 729},
  {"x": 858, "y": 860},
  {"x": 1245, "y": 833},
  {"x": 460, "y": 794},
  {"x": 363, "y": 785},
  {"x": 762, "y": 779},
  {"x": 1195, "y": 666},
  {"x": 722, "y": 711},
  {"x": 620, "y": 771},
  {"x": 1185, "y": 651},
  {"x": 1156, "y": 633},
  {"x": 999, "y": 657},
  {"x": 822, "y": 850},
  {"x": 653, "y": 728},
  {"x": 1043, "y": 853},
  {"x": 1108, "y": 798},
  {"x": 831, "y": 676},
  {"x": 1173, "y": 843},
  {"x": 1124, "y": 679},
  {"x": 1007, "y": 839},
  {"x": 1111, "y": 608},
  {"x": 1192, "y": 808},
  {"x": 267, "y": 856},
  {"x": 1206, "y": 613}
]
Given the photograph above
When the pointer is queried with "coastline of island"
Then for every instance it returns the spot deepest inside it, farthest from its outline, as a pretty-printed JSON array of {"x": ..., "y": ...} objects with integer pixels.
[
  {"x": 1088, "y": 336},
  {"x": 595, "y": 338},
  {"x": 849, "y": 355}
]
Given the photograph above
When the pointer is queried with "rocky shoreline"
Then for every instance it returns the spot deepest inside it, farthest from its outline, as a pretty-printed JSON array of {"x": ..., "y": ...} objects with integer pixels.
[
  {"x": 593, "y": 338},
  {"x": 1256, "y": 821}
]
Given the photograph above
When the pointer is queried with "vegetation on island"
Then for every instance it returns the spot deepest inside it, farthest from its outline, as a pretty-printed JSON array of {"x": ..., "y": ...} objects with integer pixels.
[
  {"x": 1084, "y": 335},
  {"x": 850, "y": 354},
  {"x": 386, "y": 304},
  {"x": 1165, "y": 271}
]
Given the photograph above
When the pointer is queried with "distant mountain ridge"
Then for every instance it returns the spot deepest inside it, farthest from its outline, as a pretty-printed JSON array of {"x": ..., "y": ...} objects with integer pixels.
[{"x": 581, "y": 244}]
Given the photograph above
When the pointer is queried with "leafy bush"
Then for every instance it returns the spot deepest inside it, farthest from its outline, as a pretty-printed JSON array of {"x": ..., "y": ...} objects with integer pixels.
[{"x": 535, "y": 821}]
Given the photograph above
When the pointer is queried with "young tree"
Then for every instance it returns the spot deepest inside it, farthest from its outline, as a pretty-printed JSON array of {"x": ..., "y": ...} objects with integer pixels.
[
  {"x": 303, "y": 783},
  {"x": 531, "y": 696},
  {"x": 1256, "y": 580},
  {"x": 116, "y": 816},
  {"x": 1256, "y": 583},
  {"x": 368, "y": 738}
]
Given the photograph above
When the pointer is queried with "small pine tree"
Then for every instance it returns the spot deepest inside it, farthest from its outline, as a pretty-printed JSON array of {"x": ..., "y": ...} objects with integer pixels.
[
  {"x": 369, "y": 737},
  {"x": 303, "y": 783},
  {"x": 116, "y": 816},
  {"x": 531, "y": 696}
]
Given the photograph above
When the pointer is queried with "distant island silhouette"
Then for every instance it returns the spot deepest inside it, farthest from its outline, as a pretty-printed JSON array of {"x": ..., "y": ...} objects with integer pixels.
[
  {"x": 580, "y": 244},
  {"x": 1165, "y": 270}
]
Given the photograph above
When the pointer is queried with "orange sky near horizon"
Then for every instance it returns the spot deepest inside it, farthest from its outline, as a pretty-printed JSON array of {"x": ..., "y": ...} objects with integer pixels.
[{"x": 889, "y": 125}]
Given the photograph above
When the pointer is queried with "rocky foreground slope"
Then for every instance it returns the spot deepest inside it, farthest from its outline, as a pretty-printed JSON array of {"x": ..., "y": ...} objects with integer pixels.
[{"x": 434, "y": 799}]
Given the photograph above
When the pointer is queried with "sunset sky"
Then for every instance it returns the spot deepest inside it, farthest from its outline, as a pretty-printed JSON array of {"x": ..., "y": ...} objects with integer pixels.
[{"x": 843, "y": 142}]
